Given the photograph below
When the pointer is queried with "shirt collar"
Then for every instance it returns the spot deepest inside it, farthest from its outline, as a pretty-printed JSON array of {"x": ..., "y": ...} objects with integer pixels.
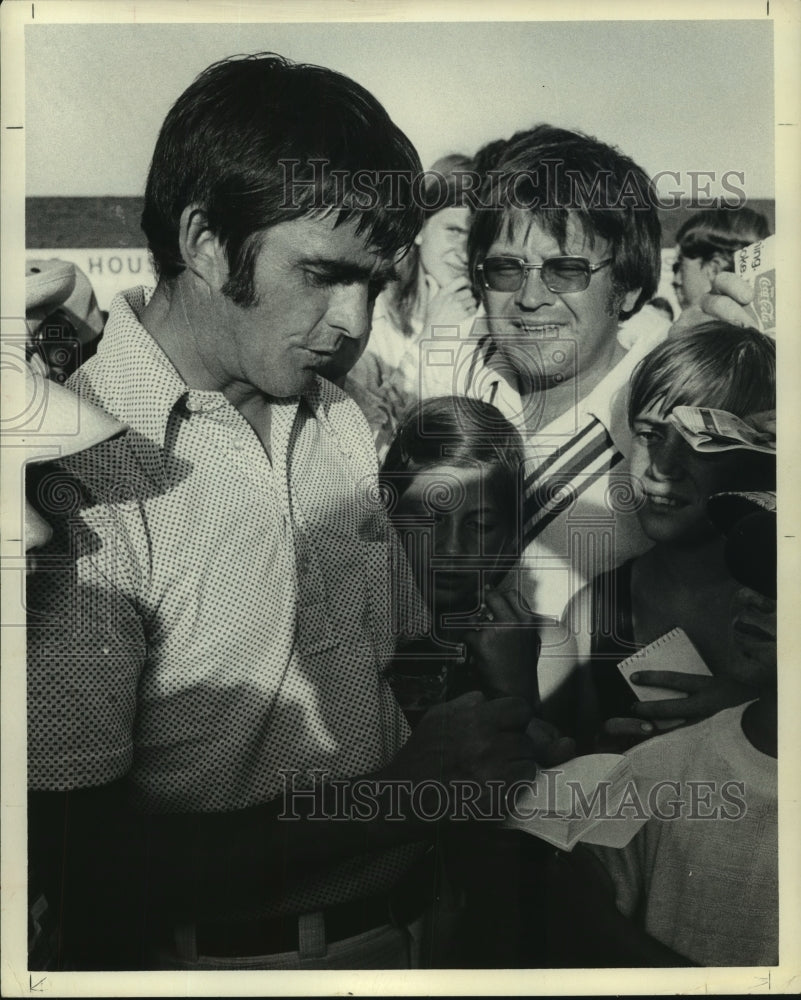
[
  {"x": 146, "y": 385},
  {"x": 146, "y": 388},
  {"x": 139, "y": 383},
  {"x": 486, "y": 375}
]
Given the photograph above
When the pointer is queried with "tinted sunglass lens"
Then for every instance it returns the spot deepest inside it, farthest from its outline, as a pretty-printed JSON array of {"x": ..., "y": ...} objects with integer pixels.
[
  {"x": 566, "y": 275},
  {"x": 503, "y": 275}
]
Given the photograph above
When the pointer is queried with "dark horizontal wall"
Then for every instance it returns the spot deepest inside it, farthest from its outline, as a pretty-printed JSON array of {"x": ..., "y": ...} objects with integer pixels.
[
  {"x": 114, "y": 222},
  {"x": 73, "y": 223}
]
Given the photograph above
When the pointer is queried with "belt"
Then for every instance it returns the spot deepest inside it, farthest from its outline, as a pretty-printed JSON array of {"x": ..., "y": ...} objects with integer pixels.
[{"x": 272, "y": 935}]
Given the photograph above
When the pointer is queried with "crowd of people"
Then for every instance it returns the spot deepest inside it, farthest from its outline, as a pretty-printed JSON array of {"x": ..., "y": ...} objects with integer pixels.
[{"x": 379, "y": 485}]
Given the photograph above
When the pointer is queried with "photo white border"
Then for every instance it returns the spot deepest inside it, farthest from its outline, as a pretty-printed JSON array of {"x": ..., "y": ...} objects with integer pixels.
[{"x": 15, "y": 981}]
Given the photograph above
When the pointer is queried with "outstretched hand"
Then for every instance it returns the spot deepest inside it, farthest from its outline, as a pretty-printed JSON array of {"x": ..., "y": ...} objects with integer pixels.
[
  {"x": 469, "y": 739},
  {"x": 704, "y": 696},
  {"x": 550, "y": 748},
  {"x": 765, "y": 424}
]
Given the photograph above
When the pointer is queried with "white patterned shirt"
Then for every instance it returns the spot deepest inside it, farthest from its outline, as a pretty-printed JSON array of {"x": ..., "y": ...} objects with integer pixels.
[
  {"x": 222, "y": 618},
  {"x": 217, "y": 619}
]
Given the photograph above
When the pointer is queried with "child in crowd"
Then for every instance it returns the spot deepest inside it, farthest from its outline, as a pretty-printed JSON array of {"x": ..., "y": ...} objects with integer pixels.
[
  {"x": 698, "y": 884},
  {"x": 433, "y": 283},
  {"x": 451, "y": 479},
  {"x": 432, "y": 291},
  {"x": 706, "y": 245},
  {"x": 682, "y": 581}
]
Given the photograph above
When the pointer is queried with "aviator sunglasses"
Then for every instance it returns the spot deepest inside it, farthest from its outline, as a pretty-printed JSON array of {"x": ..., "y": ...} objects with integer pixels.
[{"x": 559, "y": 274}]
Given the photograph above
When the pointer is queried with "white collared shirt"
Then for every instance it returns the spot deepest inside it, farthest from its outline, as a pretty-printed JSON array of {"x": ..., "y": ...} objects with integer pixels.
[
  {"x": 578, "y": 508},
  {"x": 222, "y": 618}
]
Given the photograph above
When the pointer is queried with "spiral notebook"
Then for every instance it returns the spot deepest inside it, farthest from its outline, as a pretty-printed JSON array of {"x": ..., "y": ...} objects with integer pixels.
[{"x": 671, "y": 651}]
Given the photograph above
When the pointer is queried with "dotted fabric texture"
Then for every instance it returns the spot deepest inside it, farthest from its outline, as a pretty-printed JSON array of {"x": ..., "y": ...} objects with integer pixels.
[{"x": 203, "y": 619}]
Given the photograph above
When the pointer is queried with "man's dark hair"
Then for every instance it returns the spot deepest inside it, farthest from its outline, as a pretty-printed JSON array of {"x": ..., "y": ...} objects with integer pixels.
[
  {"x": 555, "y": 174},
  {"x": 222, "y": 145}
]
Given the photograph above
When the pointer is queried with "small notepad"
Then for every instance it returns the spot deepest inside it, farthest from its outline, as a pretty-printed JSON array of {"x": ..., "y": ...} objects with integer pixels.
[
  {"x": 672, "y": 651},
  {"x": 567, "y": 805}
]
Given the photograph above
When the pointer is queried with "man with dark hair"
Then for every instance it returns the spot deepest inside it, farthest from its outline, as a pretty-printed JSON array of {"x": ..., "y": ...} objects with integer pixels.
[
  {"x": 216, "y": 760},
  {"x": 259, "y": 141},
  {"x": 565, "y": 244}
]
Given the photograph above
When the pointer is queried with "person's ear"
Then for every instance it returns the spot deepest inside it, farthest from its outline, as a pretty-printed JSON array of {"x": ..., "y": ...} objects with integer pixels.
[
  {"x": 629, "y": 300},
  {"x": 200, "y": 248}
]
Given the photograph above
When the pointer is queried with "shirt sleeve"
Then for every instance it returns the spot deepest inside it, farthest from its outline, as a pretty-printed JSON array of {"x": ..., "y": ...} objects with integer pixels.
[{"x": 86, "y": 651}]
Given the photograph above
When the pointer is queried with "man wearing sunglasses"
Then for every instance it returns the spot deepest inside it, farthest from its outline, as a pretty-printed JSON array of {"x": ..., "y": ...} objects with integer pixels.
[{"x": 564, "y": 246}]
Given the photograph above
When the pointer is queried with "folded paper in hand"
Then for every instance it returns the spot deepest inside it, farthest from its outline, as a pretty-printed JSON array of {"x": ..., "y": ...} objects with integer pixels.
[
  {"x": 711, "y": 431},
  {"x": 671, "y": 651},
  {"x": 756, "y": 264},
  {"x": 583, "y": 800}
]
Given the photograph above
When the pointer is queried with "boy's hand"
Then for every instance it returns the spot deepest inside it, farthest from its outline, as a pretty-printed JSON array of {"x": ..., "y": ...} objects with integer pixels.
[
  {"x": 726, "y": 300},
  {"x": 765, "y": 423},
  {"x": 705, "y": 696},
  {"x": 729, "y": 294},
  {"x": 619, "y": 734}
]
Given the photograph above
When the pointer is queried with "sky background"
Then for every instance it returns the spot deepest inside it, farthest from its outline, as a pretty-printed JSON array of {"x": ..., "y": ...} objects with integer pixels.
[{"x": 675, "y": 95}]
